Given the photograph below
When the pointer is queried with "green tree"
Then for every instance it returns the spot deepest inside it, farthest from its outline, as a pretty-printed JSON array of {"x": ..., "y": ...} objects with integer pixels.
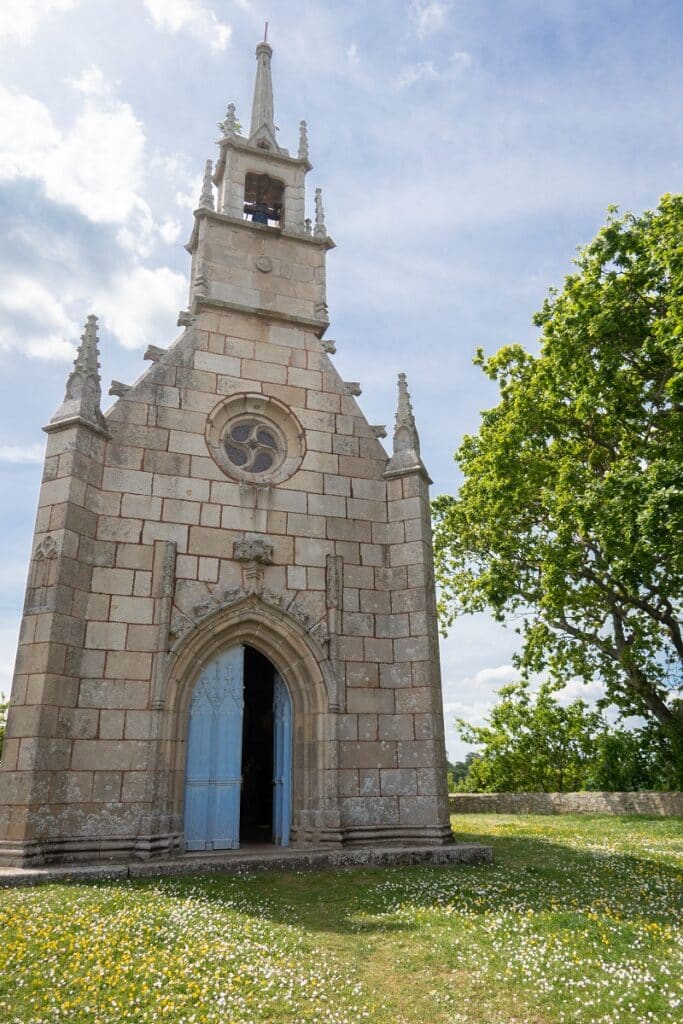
[
  {"x": 531, "y": 743},
  {"x": 628, "y": 760},
  {"x": 458, "y": 770},
  {"x": 569, "y": 515}
]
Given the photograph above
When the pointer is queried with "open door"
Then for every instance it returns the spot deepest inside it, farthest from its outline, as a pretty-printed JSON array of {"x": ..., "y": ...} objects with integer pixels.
[
  {"x": 214, "y": 755},
  {"x": 282, "y": 762},
  {"x": 236, "y": 744}
]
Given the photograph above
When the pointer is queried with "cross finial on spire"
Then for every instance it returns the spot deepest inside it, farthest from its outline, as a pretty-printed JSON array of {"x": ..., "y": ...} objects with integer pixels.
[
  {"x": 83, "y": 391},
  {"x": 406, "y": 457}
]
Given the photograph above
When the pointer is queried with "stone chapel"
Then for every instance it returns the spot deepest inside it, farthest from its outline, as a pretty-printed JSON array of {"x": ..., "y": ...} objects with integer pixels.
[{"x": 229, "y": 635}]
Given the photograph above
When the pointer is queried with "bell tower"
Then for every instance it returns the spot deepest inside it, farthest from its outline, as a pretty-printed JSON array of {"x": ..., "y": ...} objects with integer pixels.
[{"x": 252, "y": 245}]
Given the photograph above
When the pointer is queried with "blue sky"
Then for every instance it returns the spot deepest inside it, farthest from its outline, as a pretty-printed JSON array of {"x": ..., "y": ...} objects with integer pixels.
[{"x": 464, "y": 150}]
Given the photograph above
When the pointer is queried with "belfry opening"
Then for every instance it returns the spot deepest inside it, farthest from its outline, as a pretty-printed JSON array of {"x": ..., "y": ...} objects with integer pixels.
[{"x": 238, "y": 767}]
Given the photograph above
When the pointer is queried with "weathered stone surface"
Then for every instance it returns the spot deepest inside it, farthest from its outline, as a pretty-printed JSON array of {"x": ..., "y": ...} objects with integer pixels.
[
  {"x": 656, "y": 804},
  {"x": 238, "y": 862}
]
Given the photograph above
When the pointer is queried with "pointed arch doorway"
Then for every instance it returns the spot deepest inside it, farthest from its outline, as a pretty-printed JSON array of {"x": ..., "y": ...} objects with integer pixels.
[{"x": 239, "y": 754}]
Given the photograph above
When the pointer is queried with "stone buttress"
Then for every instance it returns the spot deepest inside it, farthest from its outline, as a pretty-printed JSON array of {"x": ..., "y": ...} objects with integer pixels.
[{"x": 235, "y": 494}]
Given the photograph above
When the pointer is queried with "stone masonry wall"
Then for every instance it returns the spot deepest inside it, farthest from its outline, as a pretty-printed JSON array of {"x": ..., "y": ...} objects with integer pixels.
[
  {"x": 45, "y": 712},
  {"x": 159, "y": 483},
  {"x": 657, "y": 804}
]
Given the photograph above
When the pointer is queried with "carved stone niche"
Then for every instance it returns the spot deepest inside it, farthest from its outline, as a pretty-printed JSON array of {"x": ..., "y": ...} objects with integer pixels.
[{"x": 39, "y": 576}]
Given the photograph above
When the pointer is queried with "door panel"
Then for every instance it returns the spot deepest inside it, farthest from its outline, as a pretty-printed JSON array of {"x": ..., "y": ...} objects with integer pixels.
[
  {"x": 198, "y": 772},
  {"x": 214, "y": 755},
  {"x": 282, "y": 762}
]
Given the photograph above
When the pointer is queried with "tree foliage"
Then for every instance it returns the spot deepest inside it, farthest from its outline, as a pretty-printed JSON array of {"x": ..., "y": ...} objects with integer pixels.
[
  {"x": 570, "y": 513},
  {"x": 531, "y": 743},
  {"x": 627, "y": 760},
  {"x": 458, "y": 770}
]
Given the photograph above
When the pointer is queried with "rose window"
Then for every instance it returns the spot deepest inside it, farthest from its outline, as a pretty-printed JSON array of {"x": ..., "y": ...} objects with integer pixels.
[
  {"x": 255, "y": 439},
  {"x": 254, "y": 446}
]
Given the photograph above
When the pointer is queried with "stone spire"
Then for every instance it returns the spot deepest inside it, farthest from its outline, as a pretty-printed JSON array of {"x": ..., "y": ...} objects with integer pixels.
[
  {"x": 206, "y": 198},
  {"x": 406, "y": 457},
  {"x": 83, "y": 392},
  {"x": 262, "y": 123}
]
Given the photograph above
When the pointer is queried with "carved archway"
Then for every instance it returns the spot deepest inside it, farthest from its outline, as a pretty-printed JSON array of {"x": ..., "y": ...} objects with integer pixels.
[{"x": 300, "y": 659}]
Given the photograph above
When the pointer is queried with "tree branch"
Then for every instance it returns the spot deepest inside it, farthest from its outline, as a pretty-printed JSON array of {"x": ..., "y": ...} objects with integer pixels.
[{"x": 637, "y": 680}]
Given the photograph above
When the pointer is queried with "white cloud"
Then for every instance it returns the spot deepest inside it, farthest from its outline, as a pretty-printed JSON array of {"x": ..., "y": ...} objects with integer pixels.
[
  {"x": 590, "y": 692},
  {"x": 20, "y": 19},
  {"x": 91, "y": 82},
  {"x": 169, "y": 230},
  {"x": 428, "y": 16},
  {"x": 497, "y": 676},
  {"x": 96, "y": 165},
  {"x": 188, "y": 200},
  {"x": 424, "y": 71},
  {"x": 137, "y": 235},
  {"x": 352, "y": 54},
  {"x": 34, "y": 321},
  {"x": 137, "y": 306},
  {"x": 473, "y": 712},
  {"x": 28, "y": 135},
  {"x": 28, "y": 453},
  {"x": 189, "y": 16}
]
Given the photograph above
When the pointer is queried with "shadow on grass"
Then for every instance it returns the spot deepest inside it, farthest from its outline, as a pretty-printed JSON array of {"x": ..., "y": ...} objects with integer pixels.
[{"x": 540, "y": 874}]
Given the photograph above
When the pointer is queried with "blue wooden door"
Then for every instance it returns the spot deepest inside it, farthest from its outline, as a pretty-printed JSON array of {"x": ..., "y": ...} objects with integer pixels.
[
  {"x": 214, "y": 755},
  {"x": 282, "y": 762}
]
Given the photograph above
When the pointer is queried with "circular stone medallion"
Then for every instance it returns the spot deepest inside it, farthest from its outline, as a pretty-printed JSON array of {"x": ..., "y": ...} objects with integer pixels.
[{"x": 264, "y": 264}]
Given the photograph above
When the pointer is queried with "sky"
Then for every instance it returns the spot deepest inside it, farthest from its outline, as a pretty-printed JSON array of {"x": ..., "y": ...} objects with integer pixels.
[{"x": 465, "y": 148}]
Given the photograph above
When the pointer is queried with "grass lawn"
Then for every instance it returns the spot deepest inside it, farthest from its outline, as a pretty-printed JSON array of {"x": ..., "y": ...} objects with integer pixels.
[{"x": 578, "y": 920}]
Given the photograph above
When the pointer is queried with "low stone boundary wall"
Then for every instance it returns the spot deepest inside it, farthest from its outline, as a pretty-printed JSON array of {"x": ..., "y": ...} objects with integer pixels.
[{"x": 659, "y": 804}]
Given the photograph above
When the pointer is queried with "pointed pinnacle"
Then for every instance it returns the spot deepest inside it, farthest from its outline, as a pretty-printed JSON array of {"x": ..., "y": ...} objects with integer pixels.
[
  {"x": 303, "y": 141},
  {"x": 206, "y": 198},
  {"x": 406, "y": 456},
  {"x": 87, "y": 354},
  {"x": 320, "y": 231},
  {"x": 404, "y": 409},
  {"x": 83, "y": 388}
]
